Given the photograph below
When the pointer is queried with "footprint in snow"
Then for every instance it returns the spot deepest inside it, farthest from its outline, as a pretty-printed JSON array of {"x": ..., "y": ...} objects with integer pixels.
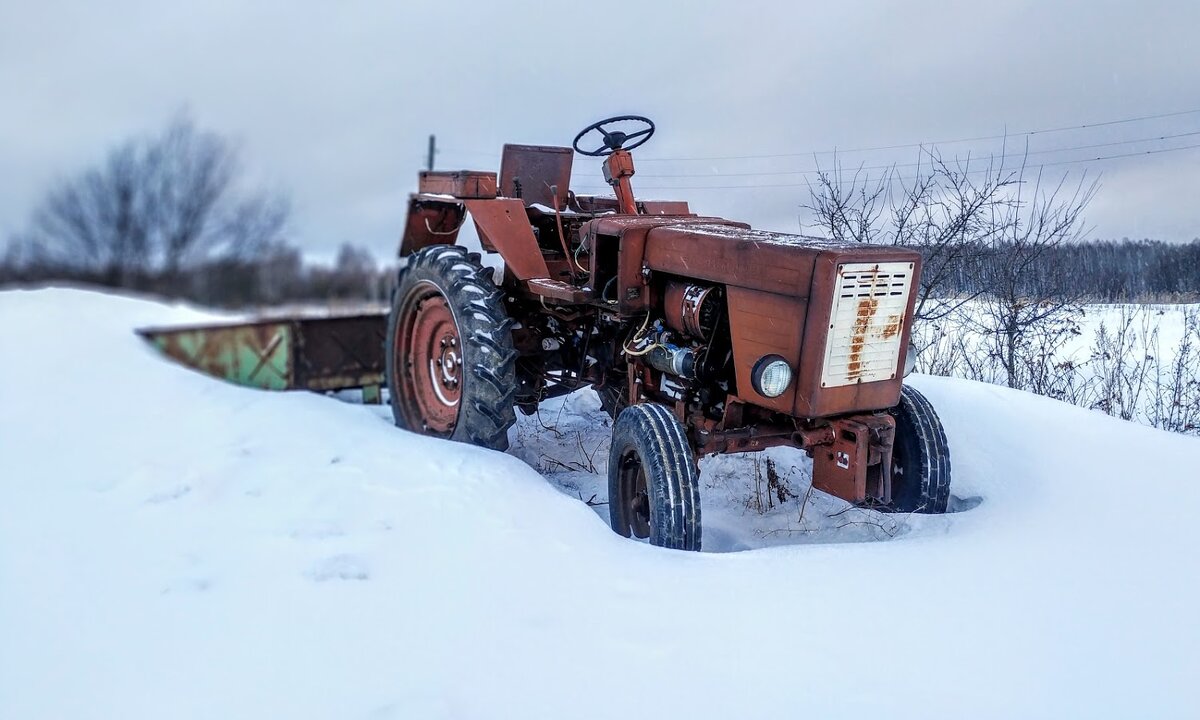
[
  {"x": 316, "y": 530},
  {"x": 168, "y": 495},
  {"x": 339, "y": 567}
]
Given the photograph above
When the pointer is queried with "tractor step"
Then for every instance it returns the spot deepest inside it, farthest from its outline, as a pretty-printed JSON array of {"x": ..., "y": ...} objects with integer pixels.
[{"x": 559, "y": 290}]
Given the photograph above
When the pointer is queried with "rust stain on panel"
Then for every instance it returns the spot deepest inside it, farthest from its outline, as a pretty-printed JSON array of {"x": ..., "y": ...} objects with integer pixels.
[
  {"x": 862, "y": 323},
  {"x": 892, "y": 329}
]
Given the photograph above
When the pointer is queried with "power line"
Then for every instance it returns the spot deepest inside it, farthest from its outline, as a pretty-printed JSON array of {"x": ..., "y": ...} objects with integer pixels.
[
  {"x": 902, "y": 179},
  {"x": 1027, "y": 133},
  {"x": 920, "y": 164}
]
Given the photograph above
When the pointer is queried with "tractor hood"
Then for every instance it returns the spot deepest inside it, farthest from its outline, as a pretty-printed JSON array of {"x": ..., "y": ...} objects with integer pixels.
[{"x": 754, "y": 259}]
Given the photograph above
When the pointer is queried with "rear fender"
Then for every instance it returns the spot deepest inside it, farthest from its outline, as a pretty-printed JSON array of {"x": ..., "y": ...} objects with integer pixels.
[
  {"x": 502, "y": 224},
  {"x": 431, "y": 221}
]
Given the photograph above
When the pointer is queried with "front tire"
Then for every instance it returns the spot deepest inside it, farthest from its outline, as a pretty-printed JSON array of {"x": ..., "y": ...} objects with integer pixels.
[
  {"x": 653, "y": 481},
  {"x": 451, "y": 366},
  {"x": 920, "y": 457}
]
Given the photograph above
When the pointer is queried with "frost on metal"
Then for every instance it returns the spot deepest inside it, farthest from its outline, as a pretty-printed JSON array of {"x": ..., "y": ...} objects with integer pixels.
[{"x": 869, "y": 302}]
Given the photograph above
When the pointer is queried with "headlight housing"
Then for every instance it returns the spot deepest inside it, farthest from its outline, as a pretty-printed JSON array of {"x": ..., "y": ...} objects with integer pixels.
[
  {"x": 910, "y": 360},
  {"x": 771, "y": 376}
]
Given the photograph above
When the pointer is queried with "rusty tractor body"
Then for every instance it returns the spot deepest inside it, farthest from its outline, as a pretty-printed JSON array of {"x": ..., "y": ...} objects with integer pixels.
[{"x": 716, "y": 336}]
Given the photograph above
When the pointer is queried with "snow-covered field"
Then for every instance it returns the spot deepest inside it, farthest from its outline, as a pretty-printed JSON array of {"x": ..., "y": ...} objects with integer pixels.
[
  {"x": 1168, "y": 321},
  {"x": 1135, "y": 361},
  {"x": 174, "y": 547}
]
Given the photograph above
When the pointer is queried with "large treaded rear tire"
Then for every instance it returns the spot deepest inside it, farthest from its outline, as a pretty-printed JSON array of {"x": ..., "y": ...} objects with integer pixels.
[
  {"x": 485, "y": 388},
  {"x": 920, "y": 457},
  {"x": 653, "y": 481}
]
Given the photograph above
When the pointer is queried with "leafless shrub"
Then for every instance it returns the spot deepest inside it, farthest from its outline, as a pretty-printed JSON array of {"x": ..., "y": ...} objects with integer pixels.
[
  {"x": 1037, "y": 358},
  {"x": 941, "y": 347},
  {"x": 1137, "y": 379},
  {"x": 1175, "y": 395},
  {"x": 1027, "y": 303},
  {"x": 853, "y": 515},
  {"x": 770, "y": 488},
  {"x": 1121, "y": 363}
]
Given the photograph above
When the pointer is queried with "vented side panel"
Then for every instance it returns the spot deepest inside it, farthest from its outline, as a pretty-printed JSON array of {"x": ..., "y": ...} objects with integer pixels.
[{"x": 869, "y": 302}]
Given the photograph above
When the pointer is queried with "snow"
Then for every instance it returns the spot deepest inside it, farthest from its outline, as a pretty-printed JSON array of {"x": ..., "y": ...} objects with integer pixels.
[
  {"x": 768, "y": 237},
  {"x": 547, "y": 210},
  {"x": 172, "y": 546}
]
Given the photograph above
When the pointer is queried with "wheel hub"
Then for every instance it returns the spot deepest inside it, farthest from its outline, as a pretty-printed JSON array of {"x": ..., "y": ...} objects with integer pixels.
[
  {"x": 446, "y": 369},
  {"x": 634, "y": 495}
]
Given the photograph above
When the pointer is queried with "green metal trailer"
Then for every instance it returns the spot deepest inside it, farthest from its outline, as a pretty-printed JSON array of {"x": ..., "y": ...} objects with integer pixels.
[{"x": 308, "y": 353}]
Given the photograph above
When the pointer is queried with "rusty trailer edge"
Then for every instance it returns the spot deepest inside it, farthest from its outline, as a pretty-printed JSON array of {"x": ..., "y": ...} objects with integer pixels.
[{"x": 286, "y": 353}]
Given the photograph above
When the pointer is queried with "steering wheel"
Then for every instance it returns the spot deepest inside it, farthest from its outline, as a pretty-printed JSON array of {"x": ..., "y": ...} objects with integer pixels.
[{"x": 615, "y": 139}]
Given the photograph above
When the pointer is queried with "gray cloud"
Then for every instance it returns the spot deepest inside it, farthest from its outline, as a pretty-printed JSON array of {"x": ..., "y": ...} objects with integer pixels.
[{"x": 333, "y": 102}]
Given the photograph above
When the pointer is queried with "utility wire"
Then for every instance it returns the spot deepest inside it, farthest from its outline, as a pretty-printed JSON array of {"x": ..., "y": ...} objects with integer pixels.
[
  {"x": 903, "y": 179},
  {"x": 921, "y": 164},
  {"x": 1027, "y": 133}
]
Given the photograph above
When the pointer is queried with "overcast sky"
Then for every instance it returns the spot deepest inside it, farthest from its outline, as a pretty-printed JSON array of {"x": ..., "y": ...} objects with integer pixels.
[{"x": 333, "y": 102}]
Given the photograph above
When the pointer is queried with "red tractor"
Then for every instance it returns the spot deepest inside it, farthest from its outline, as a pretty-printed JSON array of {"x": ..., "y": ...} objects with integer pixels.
[{"x": 700, "y": 335}]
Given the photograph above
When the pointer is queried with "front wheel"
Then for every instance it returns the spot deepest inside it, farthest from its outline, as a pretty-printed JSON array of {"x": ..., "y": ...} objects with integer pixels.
[
  {"x": 653, "y": 482},
  {"x": 920, "y": 457},
  {"x": 451, "y": 366}
]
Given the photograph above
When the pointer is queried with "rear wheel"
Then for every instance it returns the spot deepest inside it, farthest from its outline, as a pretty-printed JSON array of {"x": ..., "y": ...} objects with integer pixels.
[
  {"x": 920, "y": 457},
  {"x": 451, "y": 367},
  {"x": 653, "y": 483}
]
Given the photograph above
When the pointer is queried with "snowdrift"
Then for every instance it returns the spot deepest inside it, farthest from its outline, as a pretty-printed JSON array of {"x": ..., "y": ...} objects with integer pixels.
[{"x": 171, "y": 546}]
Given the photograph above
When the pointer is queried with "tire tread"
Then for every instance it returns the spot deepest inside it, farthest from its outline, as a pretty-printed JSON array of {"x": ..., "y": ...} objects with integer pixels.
[{"x": 485, "y": 330}]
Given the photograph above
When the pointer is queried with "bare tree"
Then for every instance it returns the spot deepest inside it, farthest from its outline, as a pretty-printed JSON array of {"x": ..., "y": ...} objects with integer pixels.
[
  {"x": 985, "y": 234},
  {"x": 155, "y": 206},
  {"x": 941, "y": 211},
  {"x": 353, "y": 275},
  {"x": 280, "y": 273}
]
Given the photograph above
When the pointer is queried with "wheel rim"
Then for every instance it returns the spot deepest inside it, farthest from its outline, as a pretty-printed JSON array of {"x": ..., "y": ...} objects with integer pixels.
[
  {"x": 635, "y": 499},
  {"x": 429, "y": 372}
]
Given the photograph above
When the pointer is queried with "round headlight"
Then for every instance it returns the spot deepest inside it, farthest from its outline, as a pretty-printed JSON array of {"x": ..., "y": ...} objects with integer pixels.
[
  {"x": 910, "y": 360},
  {"x": 771, "y": 376}
]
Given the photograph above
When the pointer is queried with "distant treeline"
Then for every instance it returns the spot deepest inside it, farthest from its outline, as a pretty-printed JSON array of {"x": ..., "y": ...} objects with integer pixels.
[
  {"x": 1101, "y": 271},
  {"x": 273, "y": 275}
]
